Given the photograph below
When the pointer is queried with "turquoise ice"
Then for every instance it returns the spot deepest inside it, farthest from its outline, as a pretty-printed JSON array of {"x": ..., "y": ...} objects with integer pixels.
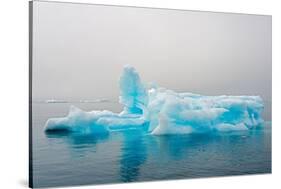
[
  {"x": 161, "y": 111},
  {"x": 133, "y": 93}
]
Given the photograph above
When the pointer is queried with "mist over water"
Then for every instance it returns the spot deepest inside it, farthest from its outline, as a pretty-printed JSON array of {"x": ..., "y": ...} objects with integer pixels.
[{"x": 80, "y": 50}]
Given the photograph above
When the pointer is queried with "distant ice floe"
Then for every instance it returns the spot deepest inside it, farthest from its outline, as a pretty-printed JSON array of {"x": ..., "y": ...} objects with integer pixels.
[
  {"x": 55, "y": 101},
  {"x": 94, "y": 101},
  {"x": 161, "y": 111},
  {"x": 79, "y": 101}
]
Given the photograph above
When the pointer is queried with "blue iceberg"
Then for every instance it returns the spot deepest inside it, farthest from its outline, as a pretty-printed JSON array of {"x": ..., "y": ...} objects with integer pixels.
[{"x": 161, "y": 111}]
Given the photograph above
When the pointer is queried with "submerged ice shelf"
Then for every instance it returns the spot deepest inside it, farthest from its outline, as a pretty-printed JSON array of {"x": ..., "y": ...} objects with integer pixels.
[{"x": 161, "y": 111}]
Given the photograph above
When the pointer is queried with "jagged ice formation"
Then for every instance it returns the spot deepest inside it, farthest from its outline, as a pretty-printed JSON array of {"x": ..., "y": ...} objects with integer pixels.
[{"x": 160, "y": 111}]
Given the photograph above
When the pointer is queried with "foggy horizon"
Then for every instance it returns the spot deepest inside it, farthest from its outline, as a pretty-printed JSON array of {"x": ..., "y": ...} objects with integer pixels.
[{"x": 79, "y": 51}]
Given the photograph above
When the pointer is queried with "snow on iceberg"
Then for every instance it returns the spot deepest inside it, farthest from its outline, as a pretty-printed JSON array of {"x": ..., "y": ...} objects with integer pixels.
[{"x": 160, "y": 111}]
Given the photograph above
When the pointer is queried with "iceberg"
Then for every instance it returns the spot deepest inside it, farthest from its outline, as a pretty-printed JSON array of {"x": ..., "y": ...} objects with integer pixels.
[
  {"x": 133, "y": 93},
  {"x": 160, "y": 111},
  {"x": 171, "y": 112}
]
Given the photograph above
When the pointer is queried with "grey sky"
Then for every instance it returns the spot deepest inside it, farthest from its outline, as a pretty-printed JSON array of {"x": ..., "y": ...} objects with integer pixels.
[{"x": 79, "y": 50}]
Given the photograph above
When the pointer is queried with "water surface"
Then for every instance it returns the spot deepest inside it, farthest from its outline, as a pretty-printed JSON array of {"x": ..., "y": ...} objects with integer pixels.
[{"x": 65, "y": 159}]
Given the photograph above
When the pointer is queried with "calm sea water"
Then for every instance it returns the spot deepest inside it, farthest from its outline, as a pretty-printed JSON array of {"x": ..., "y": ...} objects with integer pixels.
[{"x": 63, "y": 160}]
